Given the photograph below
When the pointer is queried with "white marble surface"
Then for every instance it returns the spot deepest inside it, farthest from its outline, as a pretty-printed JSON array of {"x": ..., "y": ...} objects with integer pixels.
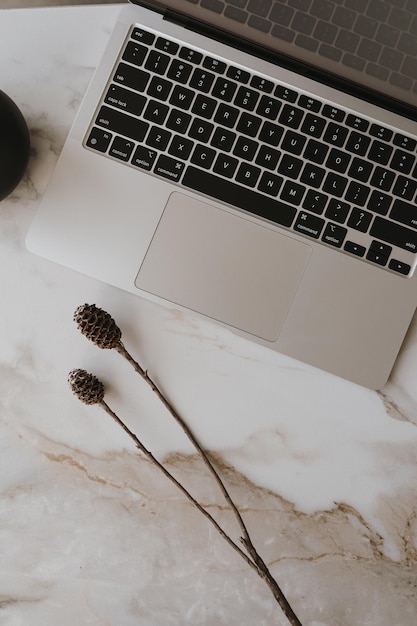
[{"x": 324, "y": 472}]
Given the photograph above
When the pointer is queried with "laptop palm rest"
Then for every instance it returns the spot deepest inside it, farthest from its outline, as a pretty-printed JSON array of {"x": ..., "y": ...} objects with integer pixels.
[{"x": 223, "y": 266}]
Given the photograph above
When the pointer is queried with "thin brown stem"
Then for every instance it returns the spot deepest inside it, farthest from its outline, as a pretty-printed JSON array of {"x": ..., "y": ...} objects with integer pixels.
[
  {"x": 255, "y": 559},
  {"x": 172, "y": 478}
]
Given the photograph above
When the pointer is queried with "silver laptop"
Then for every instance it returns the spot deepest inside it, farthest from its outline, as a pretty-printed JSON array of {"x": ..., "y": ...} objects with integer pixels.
[{"x": 253, "y": 162}]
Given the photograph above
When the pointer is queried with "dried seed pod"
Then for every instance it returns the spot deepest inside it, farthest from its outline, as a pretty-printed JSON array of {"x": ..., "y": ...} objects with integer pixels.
[
  {"x": 98, "y": 326},
  {"x": 87, "y": 387}
]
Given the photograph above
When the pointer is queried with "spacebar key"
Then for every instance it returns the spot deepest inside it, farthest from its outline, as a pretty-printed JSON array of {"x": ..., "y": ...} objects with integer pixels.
[{"x": 237, "y": 196}]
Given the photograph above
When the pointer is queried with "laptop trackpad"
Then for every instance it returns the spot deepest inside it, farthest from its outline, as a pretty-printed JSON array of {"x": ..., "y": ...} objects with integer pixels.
[{"x": 223, "y": 266}]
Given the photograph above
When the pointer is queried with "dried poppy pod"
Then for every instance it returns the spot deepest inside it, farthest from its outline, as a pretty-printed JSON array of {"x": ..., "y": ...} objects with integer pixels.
[
  {"x": 98, "y": 326},
  {"x": 87, "y": 387}
]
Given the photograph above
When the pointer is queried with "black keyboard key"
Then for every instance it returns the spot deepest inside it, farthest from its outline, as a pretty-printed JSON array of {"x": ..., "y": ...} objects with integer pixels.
[
  {"x": 293, "y": 142},
  {"x": 376, "y": 257},
  {"x": 358, "y": 143},
  {"x": 309, "y": 225},
  {"x": 311, "y": 104},
  {"x": 306, "y": 42},
  {"x": 291, "y": 116},
  {"x": 379, "y": 202},
  {"x": 357, "y": 122},
  {"x": 142, "y": 35},
  {"x": 268, "y": 107},
  {"x": 132, "y": 77},
  {"x": 333, "y": 113},
  {"x": 168, "y": 167},
  {"x": 157, "y": 62},
  {"x": 134, "y": 53},
  {"x": 290, "y": 166},
  {"x": 334, "y": 235},
  {"x": 201, "y": 80},
  {"x": 335, "y": 184},
  {"x": 201, "y": 130},
  {"x": 405, "y": 188},
  {"x": 248, "y": 174},
  {"x": 245, "y": 148},
  {"x": 248, "y": 124},
  {"x": 181, "y": 97},
  {"x": 399, "y": 266},
  {"x": 402, "y": 161},
  {"x": 338, "y": 160},
  {"x": 246, "y": 98},
  {"x": 380, "y": 247},
  {"x": 225, "y": 165},
  {"x": 121, "y": 148},
  {"x": 223, "y": 139},
  {"x": 224, "y": 89},
  {"x": 203, "y": 156},
  {"x": 394, "y": 234},
  {"x": 158, "y": 138},
  {"x": 335, "y": 134},
  {"x": 280, "y": 32},
  {"x": 180, "y": 147},
  {"x": 144, "y": 158},
  {"x": 121, "y": 123},
  {"x": 204, "y": 106},
  {"x": 360, "y": 169},
  {"x": 337, "y": 211},
  {"x": 166, "y": 45},
  {"x": 214, "y": 65},
  {"x": 382, "y": 179},
  {"x": 226, "y": 115},
  {"x": 380, "y": 132},
  {"x": 262, "y": 84},
  {"x": 312, "y": 175},
  {"x": 407, "y": 143},
  {"x": 236, "y": 73},
  {"x": 236, "y": 195},
  {"x": 380, "y": 152},
  {"x": 271, "y": 134},
  {"x": 315, "y": 201},
  {"x": 270, "y": 183},
  {"x": 156, "y": 112},
  {"x": 267, "y": 157},
  {"x": 360, "y": 220},
  {"x": 179, "y": 71},
  {"x": 125, "y": 99},
  {"x": 159, "y": 88},
  {"x": 190, "y": 55},
  {"x": 315, "y": 151},
  {"x": 357, "y": 193},
  {"x": 313, "y": 125},
  {"x": 99, "y": 139},
  {"x": 289, "y": 95},
  {"x": 292, "y": 192},
  {"x": 354, "y": 248},
  {"x": 404, "y": 212}
]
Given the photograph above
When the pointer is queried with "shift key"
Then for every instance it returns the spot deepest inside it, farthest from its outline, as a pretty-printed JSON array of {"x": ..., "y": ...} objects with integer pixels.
[
  {"x": 395, "y": 234},
  {"x": 121, "y": 123}
]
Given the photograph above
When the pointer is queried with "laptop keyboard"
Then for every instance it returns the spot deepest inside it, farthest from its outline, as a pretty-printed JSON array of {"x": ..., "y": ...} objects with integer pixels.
[{"x": 261, "y": 146}]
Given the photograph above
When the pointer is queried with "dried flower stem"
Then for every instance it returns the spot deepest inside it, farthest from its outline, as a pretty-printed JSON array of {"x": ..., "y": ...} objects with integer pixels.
[
  {"x": 98, "y": 326},
  {"x": 257, "y": 564},
  {"x": 256, "y": 559}
]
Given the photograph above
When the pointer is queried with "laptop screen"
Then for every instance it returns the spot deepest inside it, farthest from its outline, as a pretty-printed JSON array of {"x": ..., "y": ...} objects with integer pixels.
[{"x": 370, "y": 45}]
